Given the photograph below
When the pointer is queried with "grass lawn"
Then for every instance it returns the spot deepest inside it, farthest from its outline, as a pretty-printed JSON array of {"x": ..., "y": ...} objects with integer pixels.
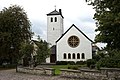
[{"x": 58, "y": 67}]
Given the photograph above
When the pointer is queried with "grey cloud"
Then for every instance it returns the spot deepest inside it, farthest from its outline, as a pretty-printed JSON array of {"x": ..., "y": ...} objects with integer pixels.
[
  {"x": 87, "y": 19},
  {"x": 38, "y": 27}
]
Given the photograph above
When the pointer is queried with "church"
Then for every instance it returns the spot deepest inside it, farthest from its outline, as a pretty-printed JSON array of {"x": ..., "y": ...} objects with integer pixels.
[{"x": 71, "y": 45}]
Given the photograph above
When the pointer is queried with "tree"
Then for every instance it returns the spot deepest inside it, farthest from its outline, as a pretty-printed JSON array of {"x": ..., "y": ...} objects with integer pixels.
[
  {"x": 34, "y": 51},
  {"x": 26, "y": 49},
  {"x": 43, "y": 51},
  {"x": 14, "y": 29},
  {"x": 107, "y": 18},
  {"x": 25, "y": 53}
]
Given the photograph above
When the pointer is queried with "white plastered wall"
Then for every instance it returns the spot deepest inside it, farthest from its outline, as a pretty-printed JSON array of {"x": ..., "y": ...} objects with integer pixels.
[{"x": 84, "y": 46}]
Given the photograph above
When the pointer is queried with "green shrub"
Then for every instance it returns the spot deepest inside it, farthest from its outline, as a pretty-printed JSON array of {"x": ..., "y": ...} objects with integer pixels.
[
  {"x": 97, "y": 57},
  {"x": 91, "y": 63},
  {"x": 118, "y": 64},
  {"x": 71, "y": 62},
  {"x": 69, "y": 67},
  {"x": 73, "y": 67},
  {"x": 81, "y": 62},
  {"x": 109, "y": 63},
  {"x": 61, "y": 63},
  {"x": 11, "y": 65},
  {"x": 98, "y": 66},
  {"x": 8, "y": 66},
  {"x": 92, "y": 66}
]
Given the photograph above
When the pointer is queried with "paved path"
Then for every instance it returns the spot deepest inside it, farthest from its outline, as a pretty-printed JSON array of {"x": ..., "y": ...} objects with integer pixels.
[{"x": 12, "y": 75}]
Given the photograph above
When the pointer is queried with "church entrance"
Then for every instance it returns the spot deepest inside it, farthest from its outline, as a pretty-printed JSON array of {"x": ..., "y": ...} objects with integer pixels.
[
  {"x": 52, "y": 58},
  {"x": 53, "y": 54}
]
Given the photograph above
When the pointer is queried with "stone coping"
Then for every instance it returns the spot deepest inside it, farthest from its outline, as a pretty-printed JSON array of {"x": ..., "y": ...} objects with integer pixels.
[
  {"x": 110, "y": 69},
  {"x": 40, "y": 68},
  {"x": 81, "y": 70},
  {"x": 90, "y": 70},
  {"x": 70, "y": 70}
]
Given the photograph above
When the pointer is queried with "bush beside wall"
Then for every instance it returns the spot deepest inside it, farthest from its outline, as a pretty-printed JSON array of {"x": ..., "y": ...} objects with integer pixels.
[{"x": 70, "y": 63}]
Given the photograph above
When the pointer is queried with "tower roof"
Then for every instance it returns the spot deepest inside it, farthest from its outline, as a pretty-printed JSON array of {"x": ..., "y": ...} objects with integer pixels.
[{"x": 55, "y": 12}]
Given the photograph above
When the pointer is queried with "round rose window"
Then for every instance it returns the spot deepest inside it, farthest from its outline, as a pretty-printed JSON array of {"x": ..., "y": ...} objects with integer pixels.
[{"x": 73, "y": 41}]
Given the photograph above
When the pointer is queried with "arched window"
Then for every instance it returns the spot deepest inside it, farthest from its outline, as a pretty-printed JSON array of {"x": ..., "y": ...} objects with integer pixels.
[
  {"x": 55, "y": 19},
  {"x": 73, "y": 55},
  {"x": 78, "y": 55},
  {"x": 69, "y": 56},
  {"x": 64, "y": 56},
  {"x": 83, "y": 56},
  {"x": 51, "y": 19}
]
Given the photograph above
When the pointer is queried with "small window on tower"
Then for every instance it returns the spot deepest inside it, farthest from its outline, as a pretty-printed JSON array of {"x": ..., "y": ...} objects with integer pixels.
[
  {"x": 51, "y": 19},
  {"x": 53, "y": 29},
  {"x": 55, "y": 19}
]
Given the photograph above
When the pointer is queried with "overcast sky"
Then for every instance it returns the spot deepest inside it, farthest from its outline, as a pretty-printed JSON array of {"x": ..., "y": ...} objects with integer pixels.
[{"x": 74, "y": 11}]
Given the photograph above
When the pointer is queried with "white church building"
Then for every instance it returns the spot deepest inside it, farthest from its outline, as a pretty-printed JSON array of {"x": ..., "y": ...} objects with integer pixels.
[{"x": 71, "y": 45}]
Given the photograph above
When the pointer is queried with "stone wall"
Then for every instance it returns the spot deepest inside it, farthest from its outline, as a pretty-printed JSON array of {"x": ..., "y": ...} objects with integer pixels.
[
  {"x": 111, "y": 73},
  {"x": 102, "y": 74},
  {"x": 38, "y": 71}
]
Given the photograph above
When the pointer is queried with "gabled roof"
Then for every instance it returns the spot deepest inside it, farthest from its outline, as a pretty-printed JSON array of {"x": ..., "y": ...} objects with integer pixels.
[
  {"x": 35, "y": 41},
  {"x": 55, "y": 12},
  {"x": 78, "y": 30}
]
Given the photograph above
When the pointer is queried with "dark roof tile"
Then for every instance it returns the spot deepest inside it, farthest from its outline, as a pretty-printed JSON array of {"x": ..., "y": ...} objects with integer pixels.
[{"x": 55, "y": 12}]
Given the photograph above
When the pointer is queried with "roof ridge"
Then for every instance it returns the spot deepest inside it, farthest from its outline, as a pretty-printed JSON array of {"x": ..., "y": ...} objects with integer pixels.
[
  {"x": 55, "y": 12},
  {"x": 73, "y": 25}
]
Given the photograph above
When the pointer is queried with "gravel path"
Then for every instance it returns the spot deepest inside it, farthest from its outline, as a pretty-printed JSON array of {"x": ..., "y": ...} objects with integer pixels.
[{"x": 12, "y": 75}]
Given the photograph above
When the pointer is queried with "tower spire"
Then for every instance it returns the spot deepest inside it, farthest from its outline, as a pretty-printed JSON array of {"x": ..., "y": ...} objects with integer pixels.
[{"x": 55, "y": 7}]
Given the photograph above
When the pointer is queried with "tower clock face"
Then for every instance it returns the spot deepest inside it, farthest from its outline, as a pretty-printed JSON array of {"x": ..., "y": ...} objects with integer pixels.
[{"x": 73, "y": 41}]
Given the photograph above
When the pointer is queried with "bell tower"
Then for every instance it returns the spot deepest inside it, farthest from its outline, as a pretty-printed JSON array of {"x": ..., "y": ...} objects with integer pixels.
[{"x": 54, "y": 26}]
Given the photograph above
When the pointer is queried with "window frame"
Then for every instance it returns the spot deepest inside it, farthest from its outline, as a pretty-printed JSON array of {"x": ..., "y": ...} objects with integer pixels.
[
  {"x": 73, "y": 56},
  {"x": 51, "y": 19},
  {"x": 69, "y": 56},
  {"x": 73, "y": 41},
  {"x": 55, "y": 19},
  {"x": 83, "y": 56},
  {"x": 78, "y": 55},
  {"x": 64, "y": 56}
]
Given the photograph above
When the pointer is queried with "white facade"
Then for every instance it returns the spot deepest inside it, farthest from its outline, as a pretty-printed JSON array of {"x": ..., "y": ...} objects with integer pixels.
[
  {"x": 54, "y": 28},
  {"x": 63, "y": 51},
  {"x": 84, "y": 46}
]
